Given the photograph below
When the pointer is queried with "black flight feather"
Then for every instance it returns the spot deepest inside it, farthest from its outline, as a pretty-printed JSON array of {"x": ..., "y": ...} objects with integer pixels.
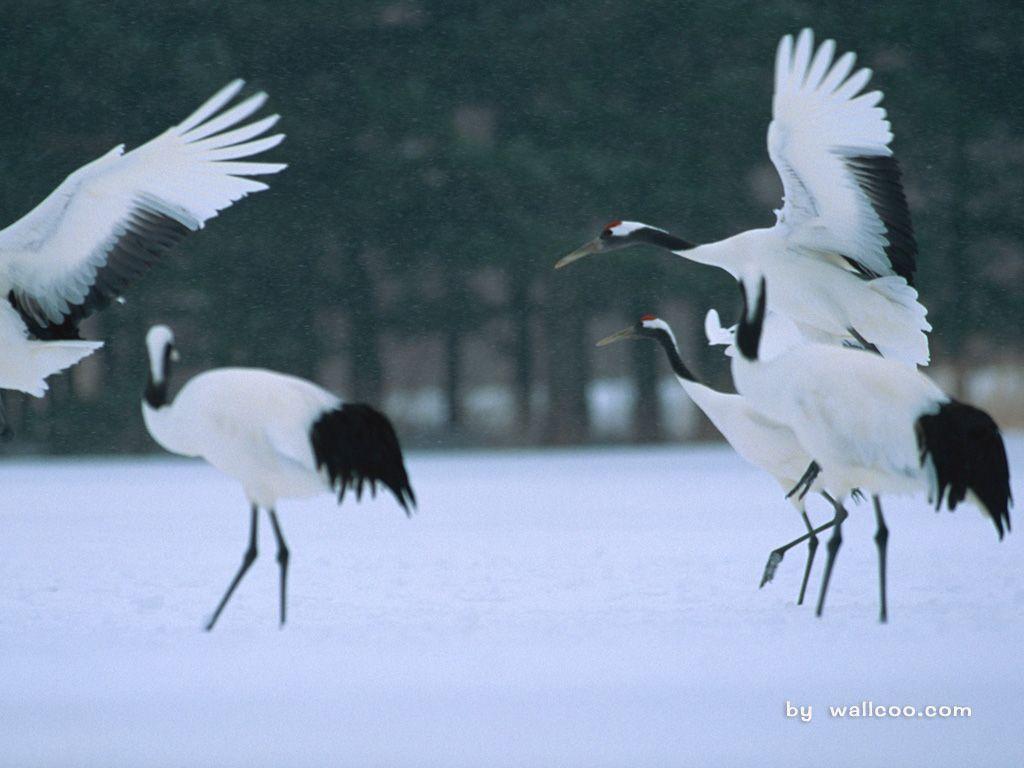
[
  {"x": 148, "y": 235},
  {"x": 967, "y": 450},
  {"x": 357, "y": 445},
  {"x": 880, "y": 179}
]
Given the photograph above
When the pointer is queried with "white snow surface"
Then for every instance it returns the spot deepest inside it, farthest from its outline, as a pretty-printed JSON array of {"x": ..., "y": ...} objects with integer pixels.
[{"x": 562, "y": 608}]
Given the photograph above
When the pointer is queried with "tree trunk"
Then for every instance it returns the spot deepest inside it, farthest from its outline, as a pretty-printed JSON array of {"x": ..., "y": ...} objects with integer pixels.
[
  {"x": 568, "y": 416},
  {"x": 522, "y": 353},
  {"x": 647, "y": 427},
  {"x": 367, "y": 374},
  {"x": 453, "y": 372}
]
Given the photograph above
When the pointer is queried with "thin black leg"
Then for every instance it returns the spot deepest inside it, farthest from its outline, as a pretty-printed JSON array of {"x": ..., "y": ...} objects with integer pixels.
[
  {"x": 882, "y": 540},
  {"x": 812, "y": 548},
  {"x": 776, "y": 555},
  {"x": 833, "y": 547},
  {"x": 804, "y": 484},
  {"x": 282, "y": 560},
  {"x": 247, "y": 560}
]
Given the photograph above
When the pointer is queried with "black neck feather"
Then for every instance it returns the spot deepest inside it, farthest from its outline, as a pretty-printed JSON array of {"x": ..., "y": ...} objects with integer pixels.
[
  {"x": 674, "y": 359},
  {"x": 156, "y": 391},
  {"x": 660, "y": 239},
  {"x": 748, "y": 333}
]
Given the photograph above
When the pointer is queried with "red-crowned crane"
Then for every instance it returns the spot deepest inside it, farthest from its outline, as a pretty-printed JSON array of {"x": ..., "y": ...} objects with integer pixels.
[
  {"x": 109, "y": 221},
  {"x": 873, "y": 424},
  {"x": 840, "y": 259},
  {"x": 766, "y": 444},
  {"x": 278, "y": 435}
]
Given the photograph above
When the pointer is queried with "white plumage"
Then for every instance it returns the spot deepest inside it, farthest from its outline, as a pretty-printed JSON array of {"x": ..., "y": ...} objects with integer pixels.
[
  {"x": 768, "y": 445},
  {"x": 25, "y": 362},
  {"x": 252, "y": 425},
  {"x": 109, "y": 221},
  {"x": 780, "y": 334},
  {"x": 278, "y": 435},
  {"x": 819, "y": 129},
  {"x": 873, "y": 424},
  {"x": 841, "y": 257}
]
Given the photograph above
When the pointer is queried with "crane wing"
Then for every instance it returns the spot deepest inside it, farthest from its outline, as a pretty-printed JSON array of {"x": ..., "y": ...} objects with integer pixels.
[
  {"x": 842, "y": 185},
  {"x": 113, "y": 218}
]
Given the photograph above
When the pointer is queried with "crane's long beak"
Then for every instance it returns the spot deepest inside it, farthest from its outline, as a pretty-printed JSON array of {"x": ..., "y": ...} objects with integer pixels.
[
  {"x": 625, "y": 333},
  {"x": 594, "y": 246}
]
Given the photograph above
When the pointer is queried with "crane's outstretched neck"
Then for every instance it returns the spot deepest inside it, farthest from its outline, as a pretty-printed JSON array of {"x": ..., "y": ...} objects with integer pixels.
[{"x": 662, "y": 239}]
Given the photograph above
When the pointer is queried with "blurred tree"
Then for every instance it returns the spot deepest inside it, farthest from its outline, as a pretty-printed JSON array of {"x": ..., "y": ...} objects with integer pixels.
[{"x": 443, "y": 154}]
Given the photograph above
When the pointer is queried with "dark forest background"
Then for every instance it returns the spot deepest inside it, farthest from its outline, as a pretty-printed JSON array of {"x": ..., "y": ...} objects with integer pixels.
[{"x": 442, "y": 156}]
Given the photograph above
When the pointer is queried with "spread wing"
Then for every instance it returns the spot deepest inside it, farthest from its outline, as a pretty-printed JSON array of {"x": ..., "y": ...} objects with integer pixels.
[
  {"x": 110, "y": 220},
  {"x": 843, "y": 189}
]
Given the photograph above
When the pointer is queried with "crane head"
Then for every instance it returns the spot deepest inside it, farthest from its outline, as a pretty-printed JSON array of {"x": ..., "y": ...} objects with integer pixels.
[
  {"x": 617, "y": 234},
  {"x": 648, "y": 326},
  {"x": 160, "y": 342}
]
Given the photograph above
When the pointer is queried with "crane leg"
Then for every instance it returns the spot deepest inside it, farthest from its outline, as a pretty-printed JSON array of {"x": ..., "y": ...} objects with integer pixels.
[
  {"x": 833, "y": 547},
  {"x": 776, "y": 555},
  {"x": 282, "y": 560},
  {"x": 812, "y": 548},
  {"x": 804, "y": 484},
  {"x": 247, "y": 560},
  {"x": 882, "y": 541}
]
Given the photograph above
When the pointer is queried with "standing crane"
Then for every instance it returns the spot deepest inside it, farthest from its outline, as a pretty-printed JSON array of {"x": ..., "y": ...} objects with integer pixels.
[
  {"x": 766, "y": 444},
  {"x": 873, "y": 424},
  {"x": 278, "y": 435}
]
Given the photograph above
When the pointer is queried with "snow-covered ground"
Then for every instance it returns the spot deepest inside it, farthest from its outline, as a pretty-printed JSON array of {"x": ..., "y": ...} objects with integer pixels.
[{"x": 591, "y": 608}]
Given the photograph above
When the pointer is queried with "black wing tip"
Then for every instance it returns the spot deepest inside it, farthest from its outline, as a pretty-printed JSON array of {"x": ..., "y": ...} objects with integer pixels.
[
  {"x": 969, "y": 454},
  {"x": 358, "y": 446},
  {"x": 1002, "y": 518},
  {"x": 148, "y": 235},
  {"x": 881, "y": 179}
]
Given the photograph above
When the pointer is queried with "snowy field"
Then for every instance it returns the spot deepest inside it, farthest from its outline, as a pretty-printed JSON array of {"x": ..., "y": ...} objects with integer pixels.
[{"x": 577, "y": 608}]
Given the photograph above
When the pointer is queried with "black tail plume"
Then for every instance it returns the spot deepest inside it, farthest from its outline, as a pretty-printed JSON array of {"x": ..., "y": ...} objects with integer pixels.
[
  {"x": 967, "y": 450},
  {"x": 748, "y": 333},
  {"x": 358, "y": 445}
]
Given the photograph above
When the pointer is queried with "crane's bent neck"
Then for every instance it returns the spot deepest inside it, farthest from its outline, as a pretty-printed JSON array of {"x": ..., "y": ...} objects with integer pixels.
[
  {"x": 155, "y": 394},
  {"x": 668, "y": 343},
  {"x": 716, "y": 405}
]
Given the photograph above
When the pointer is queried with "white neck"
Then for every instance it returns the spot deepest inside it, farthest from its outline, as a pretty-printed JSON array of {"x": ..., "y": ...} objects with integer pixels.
[
  {"x": 156, "y": 367},
  {"x": 170, "y": 428},
  {"x": 720, "y": 254},
  {"x": 733, "y": 253}
]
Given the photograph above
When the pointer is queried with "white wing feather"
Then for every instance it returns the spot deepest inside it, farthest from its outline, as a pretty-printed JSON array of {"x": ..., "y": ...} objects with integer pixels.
[
  {"x": 27, "y": 363},
  {"x": 827, "y": 143},
  {"x": 182, "y": 178}
]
